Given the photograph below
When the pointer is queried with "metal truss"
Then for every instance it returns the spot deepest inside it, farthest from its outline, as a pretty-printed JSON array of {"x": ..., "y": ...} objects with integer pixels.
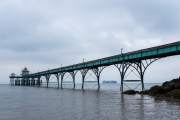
[
  {"x": 47, "y": 78},
  {"x": 38, "y": 82},
  {"x": 57, "y": 76},
  {"x": 32, "y": 82},
  {"x": 83, "y": 72},
  {"x": 122, "y": 67},
  {"x": 97, "y": 71},
  {"x": 62, "y": 75},
  {"x": 73, "y": 74},
  {"x": 139, "y": 65}
]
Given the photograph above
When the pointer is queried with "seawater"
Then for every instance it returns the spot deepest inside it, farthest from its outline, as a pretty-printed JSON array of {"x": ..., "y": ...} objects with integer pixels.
[{"x": 35, "y": 103}]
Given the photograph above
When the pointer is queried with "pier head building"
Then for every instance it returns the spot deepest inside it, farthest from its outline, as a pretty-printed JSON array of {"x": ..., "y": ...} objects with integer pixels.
[{"x": 19, "y": 80}]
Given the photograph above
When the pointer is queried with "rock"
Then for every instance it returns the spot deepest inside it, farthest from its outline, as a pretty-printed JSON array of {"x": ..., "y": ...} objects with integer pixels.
[
  {"x": 174, "y": 94},
  {"x": 157, "y": 90},
  {"x": 168, "y": 88},
  {"x": 175, "y": 80},
  {"x": 166, "y": 83},
  {"x": 177, "y": 86},
  {"x": 130, "y": 92},
  {"x": 172, "y": 83},
  {"x": 144, "y": 92}
]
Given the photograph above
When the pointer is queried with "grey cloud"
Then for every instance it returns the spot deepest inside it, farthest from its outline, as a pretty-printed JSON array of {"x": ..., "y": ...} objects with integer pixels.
[{"x": 54, "y": 32}]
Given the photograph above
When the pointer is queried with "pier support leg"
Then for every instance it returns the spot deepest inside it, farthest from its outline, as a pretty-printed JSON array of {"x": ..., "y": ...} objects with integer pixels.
[
  {"x": 57, "y": 76},
  {"x": 38, "y": 82},
  {"x": 83, "y": 77},
  {"x": 97, "y": 71},
  {"x": 62, "y": 76},
  {"x": 47, "y": 79},
  {"x": 98, "y": 82},
  {"x": 58, "y": 81},
  {"x": 122, "y": 67},
  {"x": 141, "y": 75},
  {"x": 83, "y": 73},
  {"x": 122, "y": 76},
  {"x": 74, "y": 81},
  {"x": 61, "y": 81},
  {"x": 47, "y": 82},
  {"x": 31, "y": 80},
  {"x": 73, "y": 74}
]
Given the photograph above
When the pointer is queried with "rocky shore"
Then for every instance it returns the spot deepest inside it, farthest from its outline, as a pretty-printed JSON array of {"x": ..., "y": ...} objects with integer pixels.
[{"x": 169, "y": 89}]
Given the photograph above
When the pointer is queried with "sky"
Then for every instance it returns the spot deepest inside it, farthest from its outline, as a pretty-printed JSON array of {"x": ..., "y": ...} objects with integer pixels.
[{"x": 43, "y": 34}]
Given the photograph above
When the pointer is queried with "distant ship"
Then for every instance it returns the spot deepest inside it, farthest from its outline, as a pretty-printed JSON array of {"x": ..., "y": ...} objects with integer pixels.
[{"x": 109, "y": 81}]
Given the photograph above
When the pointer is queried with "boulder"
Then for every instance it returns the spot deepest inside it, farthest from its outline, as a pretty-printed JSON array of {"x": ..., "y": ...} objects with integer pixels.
[
  {"x": 166, "y": 83},
  {"x": 144, "y": 92},
  {"x": 175, "y": 80},
  {"x": 168, "y": 88},
  {"x": 174, "y": 94},
  {"x": 177, "y": 86},
  {"x": 130, "y": 92},
  {"x": 157, "y": 90}
]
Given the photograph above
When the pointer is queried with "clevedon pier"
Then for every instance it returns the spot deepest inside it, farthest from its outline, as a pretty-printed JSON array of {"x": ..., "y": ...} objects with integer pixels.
[{"x": 138, "y": 60}]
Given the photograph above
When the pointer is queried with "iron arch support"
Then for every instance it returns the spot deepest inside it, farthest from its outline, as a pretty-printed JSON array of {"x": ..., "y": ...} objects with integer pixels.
[
  {"x": 123, "y": 67},
  {"x": 140, "y": 67},
  {"x": 38, "y": 81},
  {"x": 32, "y": 81},
  {"x": 73, "y": 74},
  {"x": 62, "y": 76},
  {"x": 47, "y": 78},
  {"x": 150, "y": 64},
  {"x": 97, "y": 71},
  {"x": 83, "y": 73},
  {"x": 57, "y": 76}
]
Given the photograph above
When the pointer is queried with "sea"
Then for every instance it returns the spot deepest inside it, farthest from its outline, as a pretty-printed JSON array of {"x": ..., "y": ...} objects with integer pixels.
[{"x": 41, "y": 103}]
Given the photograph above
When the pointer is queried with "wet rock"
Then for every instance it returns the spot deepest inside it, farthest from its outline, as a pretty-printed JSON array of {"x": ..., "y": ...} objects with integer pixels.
[
  {"x": 174, "y": 94},
  {"x": 130, "y": 92}
]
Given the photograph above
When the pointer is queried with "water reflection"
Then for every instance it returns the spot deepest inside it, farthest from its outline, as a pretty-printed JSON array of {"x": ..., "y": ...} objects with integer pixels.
[{"x": 48, "y": 103}]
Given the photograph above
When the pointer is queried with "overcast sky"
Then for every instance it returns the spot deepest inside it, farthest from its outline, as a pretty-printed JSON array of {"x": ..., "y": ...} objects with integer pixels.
[{"x": 42, "y": 34}]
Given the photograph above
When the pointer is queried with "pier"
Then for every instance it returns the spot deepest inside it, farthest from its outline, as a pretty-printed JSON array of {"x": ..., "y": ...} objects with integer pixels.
[{"x": 140, "y": 60}]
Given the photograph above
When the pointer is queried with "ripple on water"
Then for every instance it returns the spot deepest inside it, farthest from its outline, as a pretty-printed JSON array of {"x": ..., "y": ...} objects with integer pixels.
[{"x": 21, "y": 102}]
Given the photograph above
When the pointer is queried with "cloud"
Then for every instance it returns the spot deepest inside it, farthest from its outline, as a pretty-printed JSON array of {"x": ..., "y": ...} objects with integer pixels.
[{"x": 49, "y": 33}]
